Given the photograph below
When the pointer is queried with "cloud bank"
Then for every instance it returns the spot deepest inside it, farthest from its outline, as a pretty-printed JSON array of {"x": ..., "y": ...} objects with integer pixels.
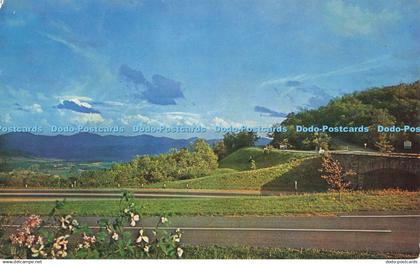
[{"x": 159, "y": 91}]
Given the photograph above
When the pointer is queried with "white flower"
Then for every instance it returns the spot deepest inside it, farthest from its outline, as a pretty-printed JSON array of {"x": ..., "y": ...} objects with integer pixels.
[
  {"x": 177, "y": 238},
  {"x": 146, "y": 248},
  {"x": 68, "y": 222},
  {"x": 108, "y": 229},
  {"x": 88, "y": 241},
  {"x": 115, "y": 236},
  {"x": 179, "y": 252},
  {"x": 142, "y": 237},
  {"x": 126, "y": 211},
  {"x": 163, "y": 220},
  {"x": 134, "y": 219}
]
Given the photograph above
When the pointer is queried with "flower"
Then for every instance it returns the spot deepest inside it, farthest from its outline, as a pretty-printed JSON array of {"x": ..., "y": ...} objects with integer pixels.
[
  {"x": 108, "y": 229},
  {"x": 38, "y": 249},
  {"x": 134, "y": 218},
  {"x": 32, "y": 221},
  {"x": 30, "y": 240},
  {"x": 146, "y": 248},
  {"x": 59, "y": 248},
  {"x": 115, "y": 236},
  {"x": 177, "y": 236},
  {"x": 179, "y": 252},
  {"x": 126, "y": 211},
  {"x": 88, "y": 241},
  {"x": 68, "y": 223},
  {"x": 142, "y": 237},
  {"x": 163, "y": 220},
  {"x": 21, "y": 237}
]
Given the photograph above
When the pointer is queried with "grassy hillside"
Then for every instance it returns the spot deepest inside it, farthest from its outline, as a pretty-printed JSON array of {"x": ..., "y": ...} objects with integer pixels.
[
  {"x": 387, "y": 106},
  {"x": 280, "y": 171},
  {"x": 239, "y": 160}
]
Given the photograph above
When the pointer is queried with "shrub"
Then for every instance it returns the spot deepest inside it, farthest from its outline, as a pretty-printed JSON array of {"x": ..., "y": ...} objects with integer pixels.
[{"x": 64, "y": 237}]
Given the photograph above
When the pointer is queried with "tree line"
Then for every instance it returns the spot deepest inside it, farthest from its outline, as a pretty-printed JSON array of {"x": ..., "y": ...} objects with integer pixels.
[{"x": 397, "y": 105}]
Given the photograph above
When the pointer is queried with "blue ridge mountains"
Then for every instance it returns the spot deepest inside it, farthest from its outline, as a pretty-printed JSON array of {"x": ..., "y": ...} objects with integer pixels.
[{"x": 92, "y": 147}]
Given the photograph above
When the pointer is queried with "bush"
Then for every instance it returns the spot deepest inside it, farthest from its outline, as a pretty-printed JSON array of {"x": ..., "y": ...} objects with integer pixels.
[{"x": 64, "y": 237}]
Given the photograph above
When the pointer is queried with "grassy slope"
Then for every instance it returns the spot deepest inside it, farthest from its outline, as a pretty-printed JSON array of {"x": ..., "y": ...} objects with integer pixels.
[
  {"x": 309, "y": 204},
  {"x": 278, "y": 173},
  {"x": 239, "y": 160}
]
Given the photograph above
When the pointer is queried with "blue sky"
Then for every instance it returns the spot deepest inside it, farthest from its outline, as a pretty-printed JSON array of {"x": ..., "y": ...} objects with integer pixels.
[{"x": 107, "y": 63}]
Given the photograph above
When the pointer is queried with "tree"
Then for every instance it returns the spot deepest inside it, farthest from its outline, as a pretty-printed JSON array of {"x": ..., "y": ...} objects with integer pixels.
[
  {"x": 384, "y": 144},
  {"x": 252, "y": 164},
  {"x": 321, "y": 140},
  {"x": 332, "y": 172},
  {"x": 220, "y": 150},
  {"x": 239, "y": 140}
]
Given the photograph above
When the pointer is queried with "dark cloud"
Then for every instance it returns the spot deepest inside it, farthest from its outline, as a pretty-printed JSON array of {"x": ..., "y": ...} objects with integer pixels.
[
  {"x": 160, "y": 91},
  {"x": 74, "y": 106},
  {"x": 318, "y": 98},
  {"x": 20, "y": 107},
  {"x": 268, "y": 112},
  {"x": 293, "y": 83},
  {"x": 132, "y": 75}
]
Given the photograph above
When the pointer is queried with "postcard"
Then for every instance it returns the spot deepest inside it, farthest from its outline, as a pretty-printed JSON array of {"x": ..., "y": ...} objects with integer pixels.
[{"x": 209, "y": 131}]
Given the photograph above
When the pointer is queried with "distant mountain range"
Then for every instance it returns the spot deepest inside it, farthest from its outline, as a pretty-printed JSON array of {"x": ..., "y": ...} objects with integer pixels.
[{"x": 92, "y": 147}]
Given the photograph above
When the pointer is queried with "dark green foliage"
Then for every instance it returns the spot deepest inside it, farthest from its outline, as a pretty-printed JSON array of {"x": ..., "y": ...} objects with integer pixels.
[
  {"x": 195, "y": 161},
  {"x": 220, "y": 150},
  {"x": 394, "y": 105},
  {"x": 239, "y": 140}
]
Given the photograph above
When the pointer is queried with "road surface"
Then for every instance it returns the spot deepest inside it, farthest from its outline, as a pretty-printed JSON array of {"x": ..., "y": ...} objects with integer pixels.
[
  {"x": 372, "y": 232},
  {"x": 53, "y": 194}
]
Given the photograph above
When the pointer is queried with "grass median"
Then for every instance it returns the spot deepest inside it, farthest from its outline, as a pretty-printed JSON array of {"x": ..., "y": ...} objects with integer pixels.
[
  {"x": 238, "y": 252},
  {"x": 307, "y": 204}
]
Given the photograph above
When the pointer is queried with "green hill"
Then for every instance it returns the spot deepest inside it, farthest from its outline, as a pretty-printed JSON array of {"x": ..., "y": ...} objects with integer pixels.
[
  {"x": 396, "y": 105},
  {"x": 277, "y": 171},
  {"x": 239, "y": 160}
]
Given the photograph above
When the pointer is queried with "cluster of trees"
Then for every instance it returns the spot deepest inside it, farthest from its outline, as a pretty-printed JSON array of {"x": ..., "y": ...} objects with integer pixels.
[
  {"x": 30, "y": 178},
  {"x": 195, "y": 161},
  {"x": 394, "y": 105},
  {"x": 234, "y": 141}
]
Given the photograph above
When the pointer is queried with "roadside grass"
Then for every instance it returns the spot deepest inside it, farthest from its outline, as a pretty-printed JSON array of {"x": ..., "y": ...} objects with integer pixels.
[
  {"x": 306, "y": 204},
  {"x": 239, "y": 160},
  {"x": 243, "y": 252},
  {"x": 276, "y": 178}
]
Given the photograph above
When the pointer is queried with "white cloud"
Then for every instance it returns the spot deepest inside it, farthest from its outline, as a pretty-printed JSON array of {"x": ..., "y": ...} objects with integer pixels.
[
  {"x": 130, "y": 119},
  {"x": 113, "y": 103},
  {"x": 220, "y": 122},
  {"x": 181, "y": 118},
  {"x": 5, "y": 118},
  {"x": 36, "y": 108},
  {"x": 87, "y": 118},
  {"x": 350, "y": 20},
  {"x": 363, "y": 66}
]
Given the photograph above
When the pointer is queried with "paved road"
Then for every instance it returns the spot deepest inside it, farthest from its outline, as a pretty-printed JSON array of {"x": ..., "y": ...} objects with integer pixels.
[
  {"x": 51, "y": 194},
  {"x": 390, "y": 233}
]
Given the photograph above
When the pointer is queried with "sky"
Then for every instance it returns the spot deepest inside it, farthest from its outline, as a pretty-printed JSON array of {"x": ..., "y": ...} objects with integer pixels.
[{"x": 197, "y": 62}]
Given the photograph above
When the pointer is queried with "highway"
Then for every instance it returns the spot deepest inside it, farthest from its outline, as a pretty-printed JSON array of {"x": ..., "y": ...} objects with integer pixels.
[
  {"x": 397, "y": 232},
  {"x": 53, "y": 194}
]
